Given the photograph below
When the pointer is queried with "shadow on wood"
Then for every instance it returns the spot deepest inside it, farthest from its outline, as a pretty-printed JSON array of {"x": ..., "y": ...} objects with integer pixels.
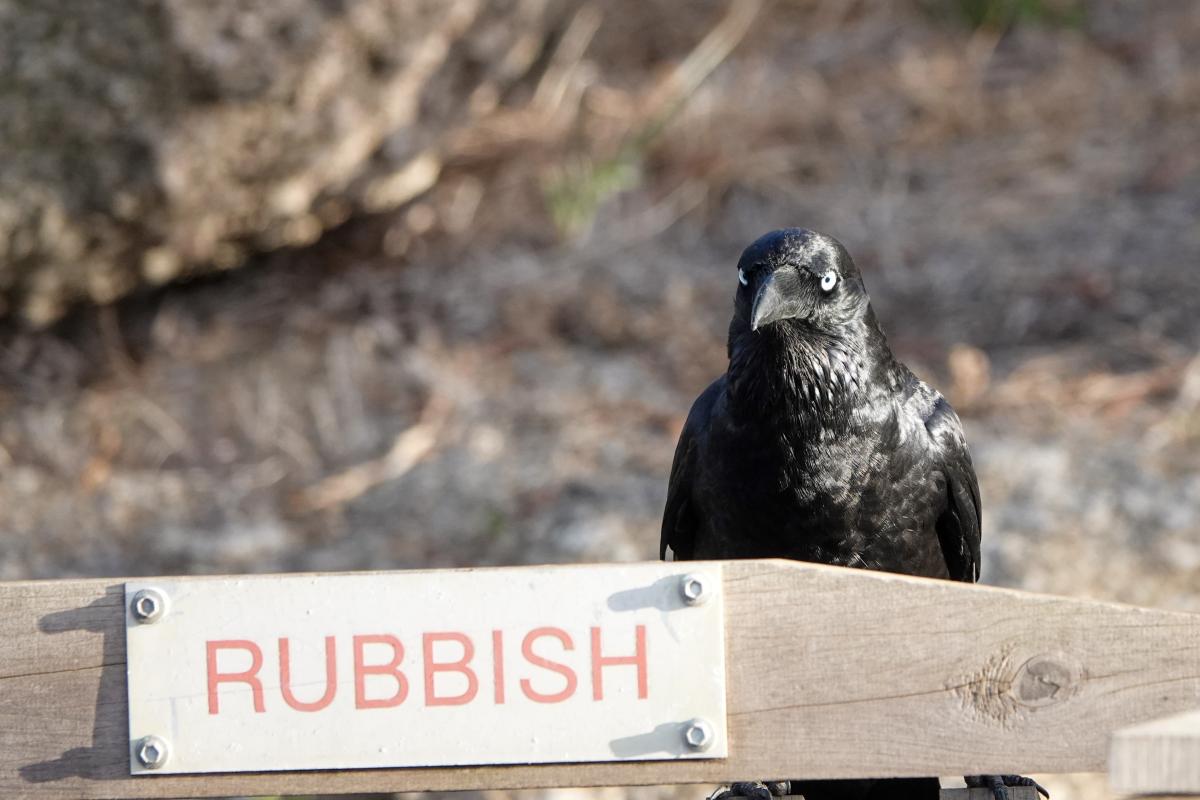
[{"x": 107, "y": 756}]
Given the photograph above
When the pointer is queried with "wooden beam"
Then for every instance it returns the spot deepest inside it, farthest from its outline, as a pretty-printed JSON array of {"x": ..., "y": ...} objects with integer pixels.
[
  {"x": 1014, "y": 793},
  {"x": 832, "y": 673},
  {"x": 1157, "y": 757}
]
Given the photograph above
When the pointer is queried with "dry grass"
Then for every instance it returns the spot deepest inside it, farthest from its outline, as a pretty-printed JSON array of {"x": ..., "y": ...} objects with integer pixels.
[{"x": 498, "y": 373}]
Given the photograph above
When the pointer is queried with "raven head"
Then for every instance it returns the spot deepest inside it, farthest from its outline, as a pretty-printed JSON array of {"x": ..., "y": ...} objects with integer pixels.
[{"x": 801, "y": 275}]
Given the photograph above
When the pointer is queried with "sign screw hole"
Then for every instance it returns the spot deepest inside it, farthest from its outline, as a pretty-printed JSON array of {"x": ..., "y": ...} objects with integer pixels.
[
  {"x": 148, "y": 605},
  {"x": 151, "y": 752},
  {"x": 694, "y": 589},
  {"x": 698, "y": 734}
]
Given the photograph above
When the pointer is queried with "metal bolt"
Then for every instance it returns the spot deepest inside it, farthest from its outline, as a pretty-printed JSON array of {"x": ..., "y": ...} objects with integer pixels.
[
  {"x": 151, "y": 752},
  {"x": 694, "y": 589},
  {"x": 149, "y": 605},
  {"x": 698, "y": 734}
]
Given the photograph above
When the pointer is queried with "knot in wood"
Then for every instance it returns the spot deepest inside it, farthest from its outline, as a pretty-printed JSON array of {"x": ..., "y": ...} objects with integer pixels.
[
  {"x": 1004, "y": 690},
  {"x": 1046, "y": 679}
]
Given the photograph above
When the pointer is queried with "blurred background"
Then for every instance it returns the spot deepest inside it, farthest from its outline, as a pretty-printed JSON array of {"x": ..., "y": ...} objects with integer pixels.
[{"x": 317, "y": 285}]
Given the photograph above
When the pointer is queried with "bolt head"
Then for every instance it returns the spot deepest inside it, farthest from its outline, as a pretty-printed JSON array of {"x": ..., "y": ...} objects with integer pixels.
[
  {"x": 148, "y": 605},
  {"x": 151, "y": 752},
  {"x": 698, "y": 734},
  {"x": 694, "y": 589}
]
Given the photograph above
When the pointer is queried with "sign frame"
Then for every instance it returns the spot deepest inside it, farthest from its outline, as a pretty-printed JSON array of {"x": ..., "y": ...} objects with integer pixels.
[{"x": 229, "y": 674}]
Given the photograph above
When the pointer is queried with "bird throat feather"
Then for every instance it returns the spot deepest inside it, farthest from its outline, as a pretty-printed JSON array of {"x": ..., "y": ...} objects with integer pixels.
[{"x": 801, "y": 374}]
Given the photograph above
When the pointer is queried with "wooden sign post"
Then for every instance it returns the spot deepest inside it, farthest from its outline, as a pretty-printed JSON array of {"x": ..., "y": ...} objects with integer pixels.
[
  {"x": 829, "y": 673},
  {"x": 1158, "y": 757}
]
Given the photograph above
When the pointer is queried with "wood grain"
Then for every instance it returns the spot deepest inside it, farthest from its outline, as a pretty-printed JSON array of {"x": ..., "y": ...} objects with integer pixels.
[
  {"x": 1014, "y": 793},
  {"x": 831, "y": 673},
  {"x": 1160, "y": 757}
]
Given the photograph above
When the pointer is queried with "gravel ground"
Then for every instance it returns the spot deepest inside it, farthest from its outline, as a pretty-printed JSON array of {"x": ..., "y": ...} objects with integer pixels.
[{"x": 1024, "y": 208}]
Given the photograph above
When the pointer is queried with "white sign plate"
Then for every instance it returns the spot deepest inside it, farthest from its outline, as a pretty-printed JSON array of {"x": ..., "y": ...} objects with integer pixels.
[{"x": 491, "y": 666}]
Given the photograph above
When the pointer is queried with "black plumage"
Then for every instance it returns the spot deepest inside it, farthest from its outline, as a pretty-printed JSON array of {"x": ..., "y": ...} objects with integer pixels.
[{"x": 818, "y": 445}]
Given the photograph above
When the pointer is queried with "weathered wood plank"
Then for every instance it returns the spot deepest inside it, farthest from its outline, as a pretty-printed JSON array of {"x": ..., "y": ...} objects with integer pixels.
[
  {"x": 1014, "y": 793},
  {"x": 1160, "y": 757},
  {"x": 831, "y": 673}
]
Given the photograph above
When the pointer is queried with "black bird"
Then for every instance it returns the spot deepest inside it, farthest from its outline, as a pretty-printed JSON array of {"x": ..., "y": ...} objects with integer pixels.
[{"x": 818, "y": 445}]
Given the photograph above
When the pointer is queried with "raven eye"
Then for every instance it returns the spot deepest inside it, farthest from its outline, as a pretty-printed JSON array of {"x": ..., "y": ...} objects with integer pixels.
[
  {"x": 742, "y": 278},
  {"x": 829, "y": 280}
]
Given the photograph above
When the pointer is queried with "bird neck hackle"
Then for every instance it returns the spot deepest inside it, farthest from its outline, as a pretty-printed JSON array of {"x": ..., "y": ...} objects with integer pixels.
[{"x": 813, "y": 377}]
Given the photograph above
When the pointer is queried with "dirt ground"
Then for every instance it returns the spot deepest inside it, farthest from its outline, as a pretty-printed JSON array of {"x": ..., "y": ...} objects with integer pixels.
[{"x": 458, "y": 384}]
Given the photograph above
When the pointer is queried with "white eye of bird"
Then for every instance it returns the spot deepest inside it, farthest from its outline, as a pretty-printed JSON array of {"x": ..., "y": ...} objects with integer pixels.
[
  {"x": 742, "y": 278},
  {"x": 829, "y": 280}
]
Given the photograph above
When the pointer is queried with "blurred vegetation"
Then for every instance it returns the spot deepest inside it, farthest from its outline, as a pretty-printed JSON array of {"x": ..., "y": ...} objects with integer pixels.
[
  {"x": 574, "y": 192},
  {"x": 1003, "y": 15}
]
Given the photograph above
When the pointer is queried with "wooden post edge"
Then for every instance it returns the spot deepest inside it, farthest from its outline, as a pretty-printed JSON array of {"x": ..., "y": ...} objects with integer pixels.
[{"x": 831, "y": 673}]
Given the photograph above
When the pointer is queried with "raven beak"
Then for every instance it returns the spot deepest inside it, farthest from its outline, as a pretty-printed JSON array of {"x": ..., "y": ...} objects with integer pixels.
[{"x": 768, "y": 304}]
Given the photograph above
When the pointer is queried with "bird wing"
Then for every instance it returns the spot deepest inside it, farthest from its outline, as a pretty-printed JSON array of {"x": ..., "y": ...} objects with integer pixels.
[
  {"x": 680, "y": 517},
  {"x": 959, "y": 525}
]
